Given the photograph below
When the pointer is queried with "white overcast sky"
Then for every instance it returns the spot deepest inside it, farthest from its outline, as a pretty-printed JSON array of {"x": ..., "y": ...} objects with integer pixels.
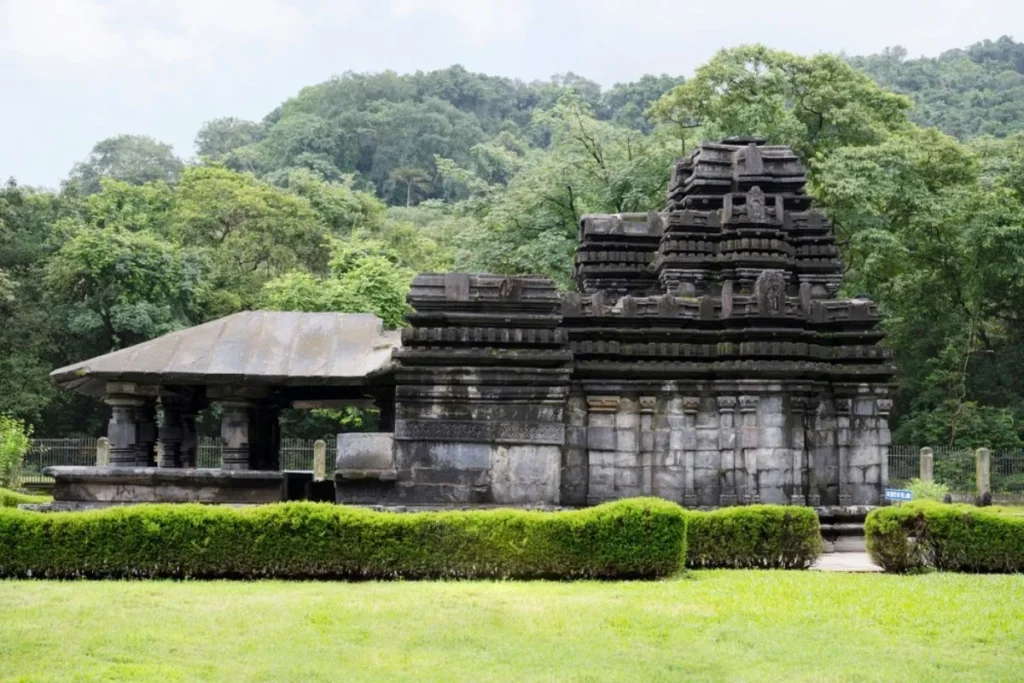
[{"x": 73, "y": 72}]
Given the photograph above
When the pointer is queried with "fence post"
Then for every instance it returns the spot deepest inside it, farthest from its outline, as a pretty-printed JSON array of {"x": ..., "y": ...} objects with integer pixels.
[
  {"x": 927, "y": 465},
  {"x": 103, "y": 452},
  {"x": 319, "y": 460},
  {"x": 983, "y": 470}
]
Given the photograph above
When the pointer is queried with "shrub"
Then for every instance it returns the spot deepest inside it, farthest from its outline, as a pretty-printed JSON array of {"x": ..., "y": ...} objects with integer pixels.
[
  {"x": 962, "y": 538},
  {"x": 756, "y": 536},
  {"x": 12, "y": 499},
  {"x": 638, "y": 538},
  {"x": 927, "y": 490},
  {"x": 14, "y": 444}
]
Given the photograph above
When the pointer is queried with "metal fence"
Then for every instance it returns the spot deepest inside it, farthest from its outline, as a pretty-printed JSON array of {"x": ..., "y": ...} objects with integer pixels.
[
  {"x": 44, "y": 453},
  {"x": 1008, "y": 471},
  {"x": 904, "y": 464},
  {"x": 295, "y": 454},
  {"x": 955, "y": 467}
]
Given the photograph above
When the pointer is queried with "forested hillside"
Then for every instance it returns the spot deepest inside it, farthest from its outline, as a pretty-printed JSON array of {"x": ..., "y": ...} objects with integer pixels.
[
  {"x": 338, "y": 196},
  {"x": 975, "y": 91}
]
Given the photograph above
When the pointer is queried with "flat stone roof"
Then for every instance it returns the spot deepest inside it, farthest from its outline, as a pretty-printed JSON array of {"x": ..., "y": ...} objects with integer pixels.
[{"x": 251, "y": 347}]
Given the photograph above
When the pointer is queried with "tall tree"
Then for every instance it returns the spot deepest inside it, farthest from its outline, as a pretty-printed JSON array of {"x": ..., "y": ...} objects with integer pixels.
[
  {"x": 134, "y": 159},
  {"x": 942, "y": 251},
  {"x": 815, "y": 104}
]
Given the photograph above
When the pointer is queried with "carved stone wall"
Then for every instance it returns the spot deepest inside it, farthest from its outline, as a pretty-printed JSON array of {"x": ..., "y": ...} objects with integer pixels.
[
  {"x": 482, "y": 396},
  {"x": 704, "y": 359}
]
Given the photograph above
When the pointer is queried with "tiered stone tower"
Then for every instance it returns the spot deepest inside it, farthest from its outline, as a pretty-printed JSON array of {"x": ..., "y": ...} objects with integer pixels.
[{"x": 705, "y": 359}]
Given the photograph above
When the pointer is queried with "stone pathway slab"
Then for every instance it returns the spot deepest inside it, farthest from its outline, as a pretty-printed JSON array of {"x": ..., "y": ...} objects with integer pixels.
[{"x": 845, "y": 562}]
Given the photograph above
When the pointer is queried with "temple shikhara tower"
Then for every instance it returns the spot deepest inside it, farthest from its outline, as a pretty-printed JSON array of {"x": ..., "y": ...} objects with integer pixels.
[
  {"x": 704, "y": 358},
  {"x": 712, "y": 331}
]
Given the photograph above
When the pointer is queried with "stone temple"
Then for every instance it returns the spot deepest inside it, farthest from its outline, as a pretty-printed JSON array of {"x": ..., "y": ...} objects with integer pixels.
[{"x": 704, "y": 358}]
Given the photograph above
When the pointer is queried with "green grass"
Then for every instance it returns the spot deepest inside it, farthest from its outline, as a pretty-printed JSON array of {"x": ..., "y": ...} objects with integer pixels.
[
  {"x": 710, "y": 625},
  {"x": 13, "y": 499}
]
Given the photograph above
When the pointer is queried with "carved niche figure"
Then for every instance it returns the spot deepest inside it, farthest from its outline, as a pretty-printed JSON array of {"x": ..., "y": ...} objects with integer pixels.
[
  {"x": 770, "y": 291},
  {"x": 757, "y": 210}
]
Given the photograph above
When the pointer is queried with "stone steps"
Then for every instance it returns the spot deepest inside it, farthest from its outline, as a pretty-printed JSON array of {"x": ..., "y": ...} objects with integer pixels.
[{"x": 842, "y": 528}]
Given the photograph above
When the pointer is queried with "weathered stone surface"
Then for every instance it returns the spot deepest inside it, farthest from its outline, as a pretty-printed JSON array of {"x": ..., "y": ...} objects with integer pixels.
[
  {"x": 160, "y": 485},
  {"x": 365, "y": 451}
]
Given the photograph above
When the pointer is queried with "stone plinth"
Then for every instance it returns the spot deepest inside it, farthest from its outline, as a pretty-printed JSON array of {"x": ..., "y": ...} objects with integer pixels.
[
  {"x": 164, "y": 485},
  {"x": 365, "y": 468}
]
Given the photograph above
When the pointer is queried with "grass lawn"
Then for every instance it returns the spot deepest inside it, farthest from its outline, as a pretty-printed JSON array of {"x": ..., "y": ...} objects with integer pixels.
[{"x": 711, "y": 625}]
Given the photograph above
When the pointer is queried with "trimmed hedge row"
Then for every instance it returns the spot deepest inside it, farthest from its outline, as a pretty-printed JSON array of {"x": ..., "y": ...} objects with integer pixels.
[
  {"x": 637, "y": 538},
  {"x": 959, "y": 538},
  {"x": 12, "y": 499},
  {"x": 753, "y": 537}
]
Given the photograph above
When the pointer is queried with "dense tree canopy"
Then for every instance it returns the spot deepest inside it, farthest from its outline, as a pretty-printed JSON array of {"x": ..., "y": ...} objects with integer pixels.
[
  {"x": 974, "y": 91},
  {"x": 336, "y": 198}
]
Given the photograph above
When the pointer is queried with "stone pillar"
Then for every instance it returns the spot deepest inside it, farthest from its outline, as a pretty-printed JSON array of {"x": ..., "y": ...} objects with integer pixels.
[
  {"x": 820, "y": 440},
  {"x": 646, "y": 442},
  {"x": 319, "y": 460},
  {"x": 882, "y": 410},
  {"x": 843, "y": 407},
  {"x": 927, "y": 465},
  {"x": 103, "y": 452},
  {"x": 687, "y": 442},
  {"x": 170, "y": 433},
  {"x": 749, "y": 443},
  {"x": 983, "y": 470},
  {"x": 235, "y": 434},
  {"x": 798, "y": 406},
  {"x": 601, "y": 448},
  {"x": 145, "y": 434},
  {"x": 121, "y": 430},
  {"x": 264, "y": 438},
  {"x": 727, "y": 445},
  {"x": 628, "y": 464},
  {"x": 189, "y": 440},
  {"x": 669, "y": 465},
  {"x": 573, "y": 487}
]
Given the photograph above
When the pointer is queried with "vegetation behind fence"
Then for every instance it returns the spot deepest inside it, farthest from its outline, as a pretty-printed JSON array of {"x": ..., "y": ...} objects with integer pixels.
[{"x": 955, "y": 468}]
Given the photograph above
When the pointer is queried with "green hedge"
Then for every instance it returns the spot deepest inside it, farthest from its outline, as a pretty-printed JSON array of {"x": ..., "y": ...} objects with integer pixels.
[
  {"x": 12, "y": 499},
  {"x": 947, "y": 537},
  {"x": 637, "y": 538},
  {"x": 755, "y": 536}
]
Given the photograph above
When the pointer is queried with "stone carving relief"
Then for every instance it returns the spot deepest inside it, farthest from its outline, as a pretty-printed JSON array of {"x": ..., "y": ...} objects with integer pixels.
[
  {"x": 770, "y": 292},
  {"x": 757, "y": 209}
]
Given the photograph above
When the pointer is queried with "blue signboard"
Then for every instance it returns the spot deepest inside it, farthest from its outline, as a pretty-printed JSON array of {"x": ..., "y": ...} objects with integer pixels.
[{"x": 899, "y": 494}]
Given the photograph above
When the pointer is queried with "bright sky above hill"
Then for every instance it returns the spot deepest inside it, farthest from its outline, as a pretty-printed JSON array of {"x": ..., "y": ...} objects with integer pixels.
[{"x": 75, "y": 71}]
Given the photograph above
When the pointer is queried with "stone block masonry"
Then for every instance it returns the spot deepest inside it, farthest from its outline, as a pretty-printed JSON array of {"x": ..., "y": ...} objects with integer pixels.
[{"x": 704, "y": 360}]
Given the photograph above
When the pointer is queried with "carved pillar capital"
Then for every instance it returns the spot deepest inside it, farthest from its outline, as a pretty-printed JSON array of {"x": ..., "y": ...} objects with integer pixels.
[
  {"x": 883, "y": 406},
  {"x": 691, "y": 404},
  {"x": 602, "y": 404},
  {"x": 800, "y": 404},
  {"x": 726, "y": 404}
]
